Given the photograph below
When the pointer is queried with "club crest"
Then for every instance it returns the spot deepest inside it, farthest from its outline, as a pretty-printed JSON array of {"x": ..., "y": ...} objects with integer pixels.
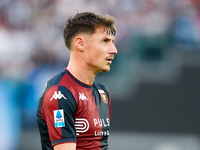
[{"x": 104, "y": 96}]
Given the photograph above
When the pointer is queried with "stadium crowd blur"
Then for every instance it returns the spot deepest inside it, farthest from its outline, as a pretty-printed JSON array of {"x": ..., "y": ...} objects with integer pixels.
[{"x": 32, "y": 48}]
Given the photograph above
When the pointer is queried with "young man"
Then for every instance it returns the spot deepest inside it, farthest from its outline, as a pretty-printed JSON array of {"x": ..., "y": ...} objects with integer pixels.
[{"x": 74, "y": 111}]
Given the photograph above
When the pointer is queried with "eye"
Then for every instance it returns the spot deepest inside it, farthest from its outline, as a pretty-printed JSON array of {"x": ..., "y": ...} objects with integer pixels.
[{"x": 105, "y": 40}]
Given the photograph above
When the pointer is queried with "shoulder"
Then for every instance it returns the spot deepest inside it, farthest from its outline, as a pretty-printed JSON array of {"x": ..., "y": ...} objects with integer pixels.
[
  {"x": 59, "y": 97},
  {"x": 55, "y": 90},
  {"x": 55, "y": 80}
]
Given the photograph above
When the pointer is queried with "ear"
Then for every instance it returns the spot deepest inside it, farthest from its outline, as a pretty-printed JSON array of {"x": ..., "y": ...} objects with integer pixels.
[{"x": 79, "y": 43}]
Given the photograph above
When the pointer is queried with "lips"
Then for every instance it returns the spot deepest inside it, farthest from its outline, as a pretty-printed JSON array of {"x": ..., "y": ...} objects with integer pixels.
[{"x": 109, "y": 60}]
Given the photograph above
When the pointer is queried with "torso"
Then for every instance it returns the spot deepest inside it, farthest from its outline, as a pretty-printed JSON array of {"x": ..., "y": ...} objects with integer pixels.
[{"x": 87, "y": 105}]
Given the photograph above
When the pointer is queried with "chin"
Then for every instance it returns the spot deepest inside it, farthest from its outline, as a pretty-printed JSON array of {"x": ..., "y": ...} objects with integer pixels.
[{"x": 106, "y": 69}]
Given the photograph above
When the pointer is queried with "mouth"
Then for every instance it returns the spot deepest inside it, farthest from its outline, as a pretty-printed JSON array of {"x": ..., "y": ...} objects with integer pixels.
[{"x": 109, "y": 60}]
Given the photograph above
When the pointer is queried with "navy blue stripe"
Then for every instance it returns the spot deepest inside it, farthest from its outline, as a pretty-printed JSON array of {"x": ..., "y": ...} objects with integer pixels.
[
  {"x": 103, "y": 111},
  {"x": 56, "y": 79},
  {"x": 63, "y": 140}
]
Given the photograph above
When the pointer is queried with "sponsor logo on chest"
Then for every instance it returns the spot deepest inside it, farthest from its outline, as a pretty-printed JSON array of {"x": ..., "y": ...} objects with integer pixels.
[
  {"x": 102, "y": 123},
  {"x": 82, "y": 126}
]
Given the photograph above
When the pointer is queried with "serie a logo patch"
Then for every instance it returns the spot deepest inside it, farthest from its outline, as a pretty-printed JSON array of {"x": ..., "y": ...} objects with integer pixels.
[
  {"x": 104, "y": 96},
  {"x": 59, "y": 120}
]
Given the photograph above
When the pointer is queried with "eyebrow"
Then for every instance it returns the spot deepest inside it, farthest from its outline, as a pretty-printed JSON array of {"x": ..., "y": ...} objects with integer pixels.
[{"x": 107, "y": 38}]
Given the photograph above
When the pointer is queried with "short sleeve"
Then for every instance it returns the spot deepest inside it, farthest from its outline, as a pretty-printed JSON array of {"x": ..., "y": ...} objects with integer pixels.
[{"x": 58, "y": 111}]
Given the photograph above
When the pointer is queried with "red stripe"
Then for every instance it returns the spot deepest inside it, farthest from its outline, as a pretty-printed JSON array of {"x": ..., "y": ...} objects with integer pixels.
[{"x": 48, "y": 108}]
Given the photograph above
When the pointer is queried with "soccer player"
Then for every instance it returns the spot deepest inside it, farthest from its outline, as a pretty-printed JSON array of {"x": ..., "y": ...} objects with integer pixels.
[{"x": 74, "y": 110}]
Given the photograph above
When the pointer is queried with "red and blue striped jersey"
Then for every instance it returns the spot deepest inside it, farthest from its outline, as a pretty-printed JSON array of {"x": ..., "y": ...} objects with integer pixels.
[{"x": 71, "y": 111}]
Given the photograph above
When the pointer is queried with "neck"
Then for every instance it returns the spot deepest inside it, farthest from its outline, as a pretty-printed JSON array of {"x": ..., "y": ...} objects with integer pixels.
[{"x": 80, "y": 71}]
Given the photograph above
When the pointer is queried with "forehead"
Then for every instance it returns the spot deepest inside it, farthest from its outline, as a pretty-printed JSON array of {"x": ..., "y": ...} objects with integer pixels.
[{"x": 103, "y": 32}]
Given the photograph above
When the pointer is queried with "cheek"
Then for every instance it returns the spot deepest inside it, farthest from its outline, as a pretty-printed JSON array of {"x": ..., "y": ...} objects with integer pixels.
[
  {"x": 92, "y": 57},
  {"x": 99, "y": 55},
  {"x": 96, "y": 55}
]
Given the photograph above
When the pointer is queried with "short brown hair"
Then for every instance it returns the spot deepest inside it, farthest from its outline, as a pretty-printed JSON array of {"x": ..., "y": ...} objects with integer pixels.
[{"x": 87, "y": 22}]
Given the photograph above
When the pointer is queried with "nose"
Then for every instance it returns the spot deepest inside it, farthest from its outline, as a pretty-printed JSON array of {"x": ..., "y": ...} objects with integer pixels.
[{"x": 113, "y": 49}]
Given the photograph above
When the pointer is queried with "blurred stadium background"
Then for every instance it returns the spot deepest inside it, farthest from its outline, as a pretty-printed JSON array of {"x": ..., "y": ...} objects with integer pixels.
[{"x": 154, "y": 80}]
